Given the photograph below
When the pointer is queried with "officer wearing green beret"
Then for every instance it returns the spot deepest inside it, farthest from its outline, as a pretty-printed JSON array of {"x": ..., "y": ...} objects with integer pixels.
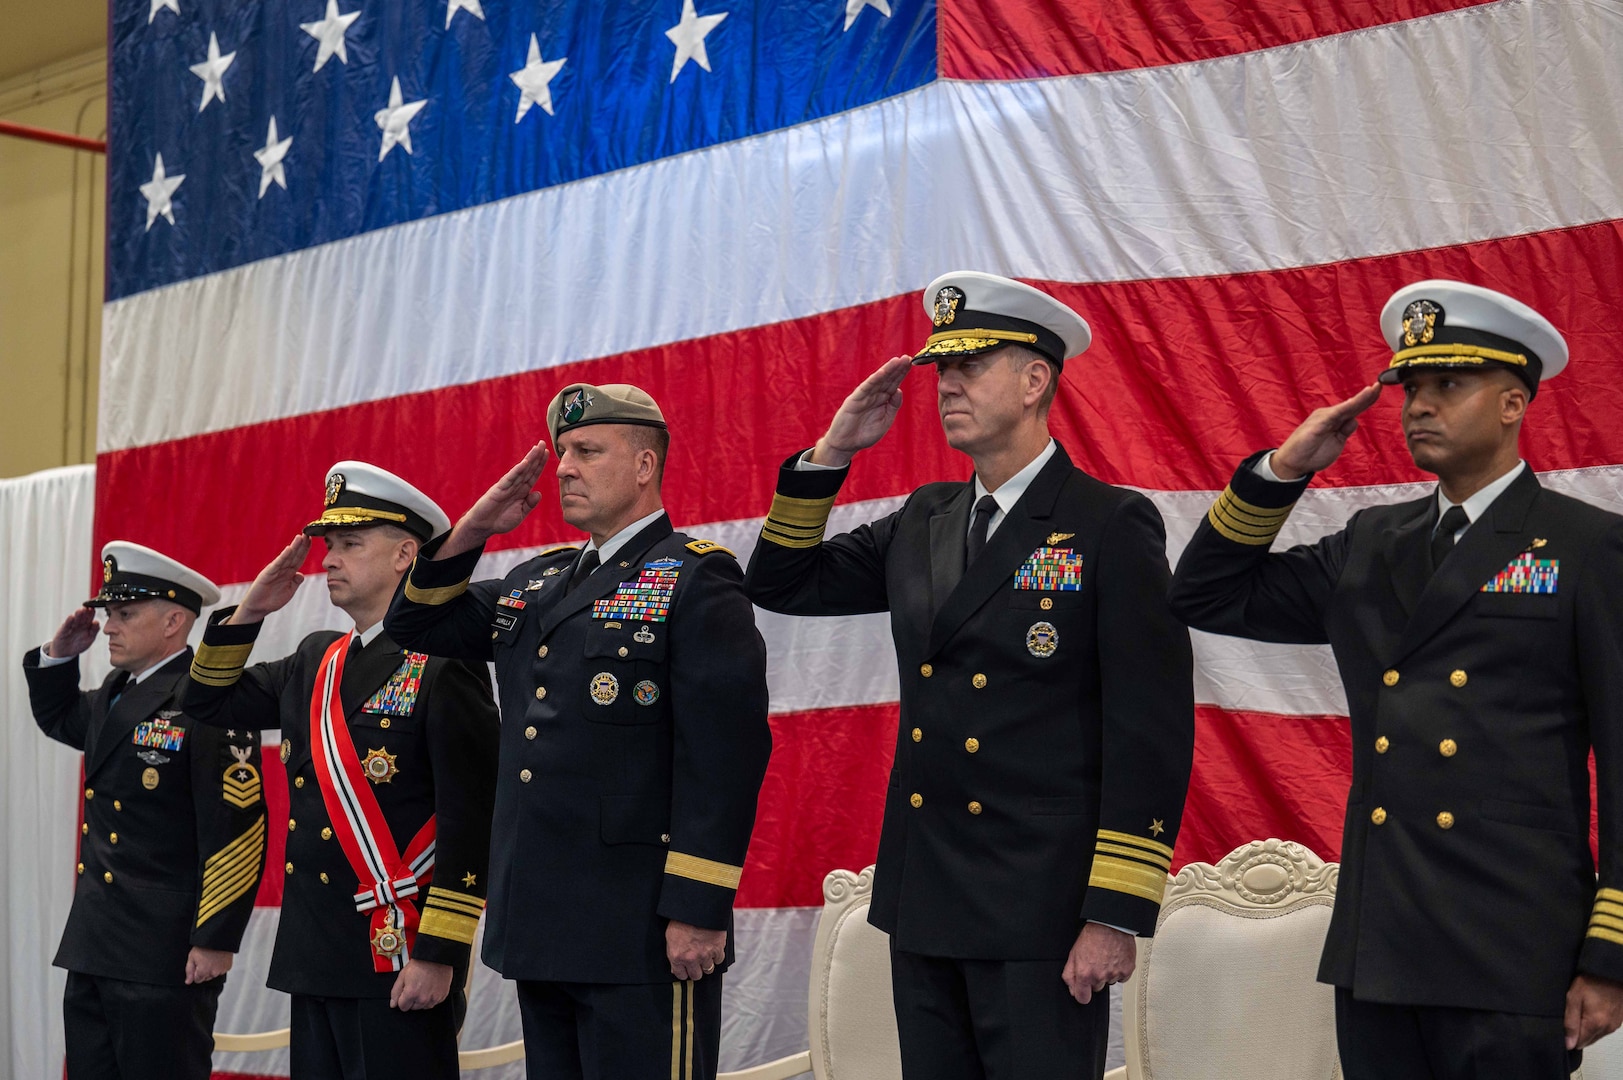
[
  {"x": 1047, "y": 715},
  {"x": 1479, "y": 632},
  {"x": 634, "y": 741}
]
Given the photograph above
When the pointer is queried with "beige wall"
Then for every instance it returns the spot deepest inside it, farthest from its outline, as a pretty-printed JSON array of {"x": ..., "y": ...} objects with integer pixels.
[{"x": 52, "y": 239}]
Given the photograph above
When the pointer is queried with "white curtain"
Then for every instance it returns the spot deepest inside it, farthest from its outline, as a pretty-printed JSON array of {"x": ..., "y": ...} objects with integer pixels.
[{"x": 45, "y": 568}]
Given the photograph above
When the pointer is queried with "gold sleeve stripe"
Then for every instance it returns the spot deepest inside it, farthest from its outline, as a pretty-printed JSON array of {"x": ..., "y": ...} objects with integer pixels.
[
  {"x": 1154, "y": 847},
  {"x": 1244, "y": 523},
  {"x": 1611, "y": 921},
  {"x": 1614, "y": 896},
  {"x": 434, "y": 597},
  {"x": 469, "y": 905},
  {"x": 220, "y": 665},
  {"x": 1133, "y": 878},
  {"x": 694, "y": 868},
  {"x": 1610, "y": 906},
  {"x": 1614, "y": 936},
  {"x": 254, "y": 835},
  {"x": 232, "y": 871},
  {"x": 773, "y": 536},
  {"x": 437, "y": 922},
  {"x": 1135, "y": 853},
  {"x": 806, "y": 513}
]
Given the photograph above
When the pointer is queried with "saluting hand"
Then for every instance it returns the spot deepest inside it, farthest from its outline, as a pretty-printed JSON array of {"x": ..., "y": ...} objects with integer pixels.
[
  {"x": 865, "y": 416},
  {"x": 501, "y": 509},
  {"x": 275, "y": 585},
  {"x": 1102, "y": 955},
  {"x": 1317, "y": 443},
  {"x": 74, "y": 635}
]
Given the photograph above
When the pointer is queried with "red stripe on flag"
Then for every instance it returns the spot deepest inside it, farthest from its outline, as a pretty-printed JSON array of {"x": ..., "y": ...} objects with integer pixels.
[
  {"x": 1261, "y": 775},
  {"x": 1023, "y": 39},
  {"x": 1186, "y": 377}
]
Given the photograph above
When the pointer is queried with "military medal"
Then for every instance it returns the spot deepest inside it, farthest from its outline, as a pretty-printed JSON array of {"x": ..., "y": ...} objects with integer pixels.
[
  {"x": 644, "y": 636},
  {"x": 149, "y": 778},
  {"x": 379, "y": 765},
  {"x": 645, "y": 692},
  {"x": 1042, "y": 640},
  {"x": 389, "y": 942},
  {"x": 605, "y": 688}
]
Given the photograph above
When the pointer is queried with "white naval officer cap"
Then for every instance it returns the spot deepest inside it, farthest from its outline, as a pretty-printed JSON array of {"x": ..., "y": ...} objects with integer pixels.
[
  {"x": 974, "y": 312},
  {"x": 133, "y": 572},
  {"x": 1451, "y": 324},
  {"x": 359, "y": 495}
]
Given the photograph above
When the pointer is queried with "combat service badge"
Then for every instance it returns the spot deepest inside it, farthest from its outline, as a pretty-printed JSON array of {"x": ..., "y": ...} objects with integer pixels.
[{"x": 1042, "y": 640}]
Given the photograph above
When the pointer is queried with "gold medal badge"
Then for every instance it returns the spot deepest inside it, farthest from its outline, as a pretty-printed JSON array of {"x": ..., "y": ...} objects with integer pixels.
[
  {"x": 1042, "y": 640},
  {"x": 389, "y": 942},
  {"x": 379, "y": 765},
  {"x": 149, "y": 778},
  {"x": 605, "y": 688}
]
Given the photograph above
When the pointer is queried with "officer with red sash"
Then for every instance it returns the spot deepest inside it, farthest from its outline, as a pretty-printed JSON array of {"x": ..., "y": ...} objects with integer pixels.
[{"x": 391, "y": 766}]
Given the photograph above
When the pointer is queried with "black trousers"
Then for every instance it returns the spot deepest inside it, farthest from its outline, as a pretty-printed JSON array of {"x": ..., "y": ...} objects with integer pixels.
[
  {"x": 363, "y": 1039},
  {"x": 1425, "y": 1042},
  {"x": 119, "y": 1030},
  {"x": 609, "y": 1031},
  {"x": 995, "y": 1020}
]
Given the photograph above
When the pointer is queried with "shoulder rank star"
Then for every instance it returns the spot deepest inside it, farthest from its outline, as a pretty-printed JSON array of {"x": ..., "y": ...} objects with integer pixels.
[{"x": 379, "y": 766}]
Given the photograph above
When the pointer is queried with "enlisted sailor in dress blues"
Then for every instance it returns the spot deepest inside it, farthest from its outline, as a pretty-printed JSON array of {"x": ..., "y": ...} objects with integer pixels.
[
  {"x": 1047, "y": 717},
  {"x": 633, "y": 690},
  {"x": 390, "y": 757},
  {"x": 173, "y": 837},
  {"x": 1479, "y": 632}
]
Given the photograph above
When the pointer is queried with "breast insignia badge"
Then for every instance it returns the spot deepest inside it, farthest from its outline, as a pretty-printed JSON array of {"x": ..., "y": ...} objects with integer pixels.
[
  {"x": 379, "y": 765},
  {"x": 605, "y": 688},
  {"x": 1042, "y": 640},
  {"x": 149, "y": 778}
]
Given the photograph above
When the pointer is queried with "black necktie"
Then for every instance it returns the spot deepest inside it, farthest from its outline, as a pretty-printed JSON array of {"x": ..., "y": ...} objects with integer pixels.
[
  {"x": 120, "y": 684},
  {"x": 1442, "y": 541},
  {"x": 583, "y": 569},
  {"x": 977, "y": 528}
]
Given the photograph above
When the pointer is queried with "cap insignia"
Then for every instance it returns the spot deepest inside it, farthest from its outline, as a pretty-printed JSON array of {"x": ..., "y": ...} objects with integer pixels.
[
  {"x": 947, "y": 300},
  {"x": 575, "y": 406},
  {"x": 108, "y": 565},
  {"x": 1420, "y": 322},
  {"x": 335, "y": 488}
]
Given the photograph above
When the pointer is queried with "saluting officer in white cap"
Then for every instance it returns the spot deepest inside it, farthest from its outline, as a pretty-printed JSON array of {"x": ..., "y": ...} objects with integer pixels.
[
  {"x": 1047, "y": 707},
  {"x": 173, "y": 836},
  {"x": 1479, "y": 632},
  {"x": 390, "y": 758}
]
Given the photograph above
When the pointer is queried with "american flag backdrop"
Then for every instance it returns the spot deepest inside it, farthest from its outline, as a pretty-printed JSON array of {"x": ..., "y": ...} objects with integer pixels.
[{"x": 391, "y": 229}]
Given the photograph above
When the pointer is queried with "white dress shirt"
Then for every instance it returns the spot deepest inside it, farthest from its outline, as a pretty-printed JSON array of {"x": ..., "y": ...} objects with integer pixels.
[
  {"x": 613, "y": 544},
  {"x": 47, "y": 660}
]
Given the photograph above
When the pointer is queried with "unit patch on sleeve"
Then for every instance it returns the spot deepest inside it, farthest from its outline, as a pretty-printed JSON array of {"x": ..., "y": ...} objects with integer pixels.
[
  {"x": 1051, "y": 569},
  {"x": 645, "y": 598},
  {"x": 1525, "y": 574},
  {"x": 398, "y": 696},
  {"x": 159, "y": 734}
]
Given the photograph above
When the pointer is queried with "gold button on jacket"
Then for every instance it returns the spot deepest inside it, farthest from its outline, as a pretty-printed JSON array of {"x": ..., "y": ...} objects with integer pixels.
[
  {"x": 916, "y": 799},
  {"x": 972, "y": 745},
  {"x": 1458, "y": 678},
  {"x": 1448, "y": 748},
  {"x": 1391, "y": 677},
  {"x": 979, "y": 681},
  {"x": 974, "y": 807},
  {"x": 1382, "y": 745},
  {"x": 918, "y": 734},
  {"x": 1378, "y": 815},
  {"x": 1445, "y": 820}
]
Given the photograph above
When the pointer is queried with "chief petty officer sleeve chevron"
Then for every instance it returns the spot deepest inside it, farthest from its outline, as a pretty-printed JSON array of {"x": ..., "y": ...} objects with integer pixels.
[
  {"x": 1147, "y": 694},
  {"x": 1599, "y": 637},
  {"x": 1228, "y": 582},
  {"x": 228, "y": 792},
  {"x": 463, "y": 734},
  {"x": 795, "y": 571},
  {"x": 440, "y": 610},
  {"x": 721, "y": 739}
]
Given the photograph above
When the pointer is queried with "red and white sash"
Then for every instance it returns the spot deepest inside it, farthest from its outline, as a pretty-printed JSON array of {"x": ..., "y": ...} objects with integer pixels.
[{"x": 386, "y": 878}]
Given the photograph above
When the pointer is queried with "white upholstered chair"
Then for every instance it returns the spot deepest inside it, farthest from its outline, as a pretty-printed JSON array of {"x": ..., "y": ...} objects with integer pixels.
[{"x": 1227, "y": 987}]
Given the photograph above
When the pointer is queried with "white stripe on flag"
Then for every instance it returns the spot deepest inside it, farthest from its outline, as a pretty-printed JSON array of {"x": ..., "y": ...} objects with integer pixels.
[{"x": 1338, "y": 148}]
